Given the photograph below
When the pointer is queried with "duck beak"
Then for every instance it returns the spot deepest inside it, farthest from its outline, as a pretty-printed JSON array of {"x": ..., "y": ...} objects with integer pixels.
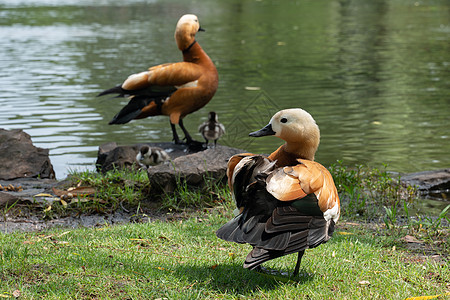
[
  {"x": 201, "y": 29},
  {"x": 267, "y": 130}
]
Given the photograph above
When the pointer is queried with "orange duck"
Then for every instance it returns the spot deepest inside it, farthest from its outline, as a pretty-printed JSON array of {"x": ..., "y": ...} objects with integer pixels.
[
  {"x": 286, "y": 202},
  {"x": 172, "y": 89}
]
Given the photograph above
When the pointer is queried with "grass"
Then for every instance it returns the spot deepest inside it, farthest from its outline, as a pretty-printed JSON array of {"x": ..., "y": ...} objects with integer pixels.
[{"x": 180, "y": 258}]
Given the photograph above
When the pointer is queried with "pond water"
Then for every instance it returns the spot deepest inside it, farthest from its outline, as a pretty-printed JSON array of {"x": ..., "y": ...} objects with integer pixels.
[{"x": 374, "y": 74}]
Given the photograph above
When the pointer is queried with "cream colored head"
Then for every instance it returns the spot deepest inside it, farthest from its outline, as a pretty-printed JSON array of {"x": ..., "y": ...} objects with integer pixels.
[
  {"x": 185, "y": 31},
  {"x": 298, "y": 128}
]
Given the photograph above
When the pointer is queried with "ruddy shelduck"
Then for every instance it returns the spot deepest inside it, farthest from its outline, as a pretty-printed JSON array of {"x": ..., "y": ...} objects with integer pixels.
[
  {"x": 286, "y": 202},
  {"x": 171, "y": 89},
  {"x": 212, "y": 129}
]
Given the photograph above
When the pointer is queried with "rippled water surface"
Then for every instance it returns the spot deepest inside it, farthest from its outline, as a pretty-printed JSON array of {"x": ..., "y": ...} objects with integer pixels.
[{"x": 374, "y": 74}]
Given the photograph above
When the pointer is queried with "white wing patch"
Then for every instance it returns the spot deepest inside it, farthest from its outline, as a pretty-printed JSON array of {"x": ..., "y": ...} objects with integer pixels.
[
  {"x": 332, "y": 213},
  {"x": 189, "y": 84}
]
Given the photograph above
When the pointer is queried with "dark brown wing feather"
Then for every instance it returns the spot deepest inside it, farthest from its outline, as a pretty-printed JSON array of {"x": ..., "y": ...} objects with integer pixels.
[{"x": 274, "y": 228}]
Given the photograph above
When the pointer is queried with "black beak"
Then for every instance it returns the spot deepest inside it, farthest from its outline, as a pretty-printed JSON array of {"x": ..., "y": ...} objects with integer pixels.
[
  {"x": 267, "y": 130},
  {"x": 201, "y": 29}
]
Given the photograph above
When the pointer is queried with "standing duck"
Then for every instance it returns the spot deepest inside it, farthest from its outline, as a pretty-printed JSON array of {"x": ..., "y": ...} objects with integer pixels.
[
  {"x": 212, "y": 129},
  {"x": 287, "y": 202},
  {"x": 172, "y": 89}
]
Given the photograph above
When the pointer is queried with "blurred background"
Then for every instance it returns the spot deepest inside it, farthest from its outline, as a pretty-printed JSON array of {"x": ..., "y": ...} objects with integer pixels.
[{"x": 374, "y": 74}]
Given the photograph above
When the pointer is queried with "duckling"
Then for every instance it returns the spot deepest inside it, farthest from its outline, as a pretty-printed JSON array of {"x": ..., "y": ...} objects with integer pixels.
[
  {"x": 151, "y": 156},
  {"x": 212, "y": 129},
  {"x": 172, "y": 89},
  {"x": 286, "y": 202}
]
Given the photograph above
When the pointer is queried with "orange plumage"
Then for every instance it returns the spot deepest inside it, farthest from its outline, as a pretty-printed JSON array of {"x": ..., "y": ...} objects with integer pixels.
[
  {"x": 171, "y": 89},
  {"x": 287, "y": 202}
]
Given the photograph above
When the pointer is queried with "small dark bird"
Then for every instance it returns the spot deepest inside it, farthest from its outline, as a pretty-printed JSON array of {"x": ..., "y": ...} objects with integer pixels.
[
  {"x": 212, "y": 129},
  {"x": 173, "y": 89},
  {"x": 287, "y": 202},
  {"x": 151, "y": 156}
]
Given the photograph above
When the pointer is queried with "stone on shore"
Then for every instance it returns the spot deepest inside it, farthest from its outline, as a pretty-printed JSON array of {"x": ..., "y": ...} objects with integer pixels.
[
  {"x": 190, "y": 168},
  {"x": 112, "y": 156},
  {"x": 21, "y": 159},
  {"x": 435, "y": 183}
]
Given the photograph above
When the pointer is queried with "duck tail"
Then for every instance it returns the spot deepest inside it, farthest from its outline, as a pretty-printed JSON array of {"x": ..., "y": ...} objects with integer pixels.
[{"x": 115, "y": 90}]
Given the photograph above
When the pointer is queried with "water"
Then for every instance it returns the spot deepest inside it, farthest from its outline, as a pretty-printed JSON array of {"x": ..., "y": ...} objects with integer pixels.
[{"x": 374, "y": 74}]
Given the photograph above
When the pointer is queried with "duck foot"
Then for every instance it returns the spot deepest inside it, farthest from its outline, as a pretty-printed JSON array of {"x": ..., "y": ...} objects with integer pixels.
[{"x": 195, "y": 146}]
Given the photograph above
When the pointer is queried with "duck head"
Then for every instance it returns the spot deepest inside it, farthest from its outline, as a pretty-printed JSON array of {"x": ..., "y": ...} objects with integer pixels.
[
  {"x": 298, "y": 128},
  {"x": 187, "y": 28},
  {"x": 212, "y": 116}
]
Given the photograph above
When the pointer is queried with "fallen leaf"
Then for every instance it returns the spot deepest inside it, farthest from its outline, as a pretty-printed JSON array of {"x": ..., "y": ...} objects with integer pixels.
[
  {"x": 43, "y": 195},
  {"x": 349, "y": 223},
  {"x": 48, "y": 208},
  {"x": 345, "y": 233},
  {"x": 64, "y": 203},
  {"x": 215, "y": 266},
  {"x": 364, "y": 282},
  {"x": 4, "y": 296},
  {"x": 411, "y": 239},
  {"x": 281, "y": 43},
  {"x": 427, "y": 297},
  {"x": 252, "y": 88},
  {"x": 333, "y": 254}
]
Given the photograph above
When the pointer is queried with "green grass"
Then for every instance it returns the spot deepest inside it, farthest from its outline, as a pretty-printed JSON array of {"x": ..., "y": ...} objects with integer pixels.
[{"x": 182, "y": 259}]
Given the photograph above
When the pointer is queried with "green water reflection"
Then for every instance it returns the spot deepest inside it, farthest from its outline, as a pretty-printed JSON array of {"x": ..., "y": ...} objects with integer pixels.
[{"x": 374, "y": 74}]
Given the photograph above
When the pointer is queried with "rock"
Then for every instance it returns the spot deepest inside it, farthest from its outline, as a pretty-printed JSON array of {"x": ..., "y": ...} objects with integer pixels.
[
  {"x": 19, "y": 158},
  {"x": 6, "y": 199},
  {"x": 24, "y": 190},
  {"x": 436, "y": 183},
  {"x": 111, "y": 156},
  {"x": 192, "y": 168},
  {"x": 116, "y": 158}
]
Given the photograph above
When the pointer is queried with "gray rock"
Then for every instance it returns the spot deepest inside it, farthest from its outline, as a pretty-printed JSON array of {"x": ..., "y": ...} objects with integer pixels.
[
  {"x": 111, "y": 156},
  {"x": 6, "y": 199},
  {"x": 429, "y": 180},
  {"x": 193, "y": 169},
  {"x": 19, "y": 158},
  {"x": 433, "y": 183}
]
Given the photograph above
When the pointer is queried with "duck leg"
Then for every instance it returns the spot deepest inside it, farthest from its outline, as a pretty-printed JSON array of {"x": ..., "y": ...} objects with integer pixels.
[
  {"x": 299, "y": 259},
  {"x": 176, "y": 139},
  {"x": 186, "y": 134}
]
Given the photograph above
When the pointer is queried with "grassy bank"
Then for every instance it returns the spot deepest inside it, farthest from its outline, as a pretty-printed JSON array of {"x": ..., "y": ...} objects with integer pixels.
[
  {"x": 379, "y": 250},
  {"x": 182, "y": 259}
]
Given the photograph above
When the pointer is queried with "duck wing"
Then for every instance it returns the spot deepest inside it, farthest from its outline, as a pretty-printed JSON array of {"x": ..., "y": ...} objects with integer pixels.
[
  {"x": 279, "y": 209},
  {"x": 153, "y": 86}
]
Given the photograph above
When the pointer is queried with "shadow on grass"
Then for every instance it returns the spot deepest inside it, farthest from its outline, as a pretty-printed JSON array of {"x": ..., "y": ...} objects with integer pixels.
[{"x": 233, "y": 278}]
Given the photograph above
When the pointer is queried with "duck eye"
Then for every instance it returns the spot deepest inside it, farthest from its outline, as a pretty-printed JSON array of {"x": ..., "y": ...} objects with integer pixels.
[{"x": 283, "y": 120}]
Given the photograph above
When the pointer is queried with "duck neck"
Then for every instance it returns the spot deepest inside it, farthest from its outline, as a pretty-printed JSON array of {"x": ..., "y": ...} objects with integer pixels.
[
  {"x": 287, "y": 154},
  {"x": 195, "y": 54}
]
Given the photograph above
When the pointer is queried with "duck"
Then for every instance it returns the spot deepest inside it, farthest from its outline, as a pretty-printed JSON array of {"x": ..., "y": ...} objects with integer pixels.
[
  {"x": 212, "y": 129},
  {"x": 286, "y": 202},
  {"x": 171, "y": 89},
  {"x": 151, "y": 156}
]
